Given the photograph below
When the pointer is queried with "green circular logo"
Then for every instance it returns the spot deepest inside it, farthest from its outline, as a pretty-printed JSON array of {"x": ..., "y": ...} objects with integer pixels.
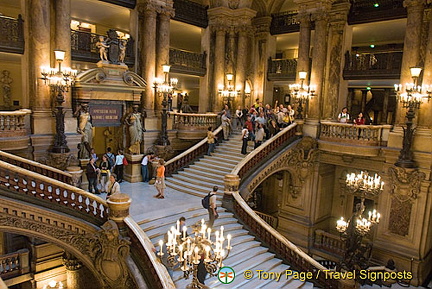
[{"x": 226, "y": 275}]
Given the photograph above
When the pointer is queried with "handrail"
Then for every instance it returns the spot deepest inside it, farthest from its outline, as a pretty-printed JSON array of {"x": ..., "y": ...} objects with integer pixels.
[
  {"x": 14, "y": 264},
  {"x": 194, "y": 120},
  {"x": 187, "y": 157},
  {"x": 193, "y": 114},
  {"x": 282, "y": 247},
  {"x": 48, "y": 191},
  {"x": 263, "y": 150},
  {"x": 19, "y": 112},
  {"x": 36, "y": 167},
  {"x": 329, "y": 242},
  {"x": 146, "y": 258},
  {"x": 269, "y": 219}
]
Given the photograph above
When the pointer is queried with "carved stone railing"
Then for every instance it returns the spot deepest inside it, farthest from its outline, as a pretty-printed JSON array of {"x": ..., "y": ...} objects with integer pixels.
[
  {"x": 12, "y": 31},
  {"x": 330, "y": 243},
  {"x": 36, "y": 167},
  {"x": 385, "y": 65},
  {"x": 281, "y": 69},
  {"x": 295, "y": 257},
  {"x": 365, "y": 135},
  {"x": 191, "y": 155},
  {"x": 191, "y": 12},
  {"x": 14, "y": 264},
  {"x": 194, "y": 120},
  {"x": 44, "y": 191},
  {"x": 364, "y": 11},
  {"x": 187, "y": 62},
  {"x": 142, "y": 253},
  {"x": 272, "y": 221},
  {"x": 284, "y": 22},
  {"x": 12, "y": 123},
  {"x": 280, "y": 140},
  {"x": 83, "y": 45}
]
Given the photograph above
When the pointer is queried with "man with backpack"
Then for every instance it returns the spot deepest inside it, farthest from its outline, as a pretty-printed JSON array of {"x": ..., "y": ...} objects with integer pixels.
[
  {"x": 209, "y": 203},
  {"x": 111, "y": 158}
]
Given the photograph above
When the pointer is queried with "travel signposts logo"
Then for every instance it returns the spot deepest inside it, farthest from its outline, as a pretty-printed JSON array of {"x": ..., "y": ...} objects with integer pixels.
[{"x": 226, "y": 275}]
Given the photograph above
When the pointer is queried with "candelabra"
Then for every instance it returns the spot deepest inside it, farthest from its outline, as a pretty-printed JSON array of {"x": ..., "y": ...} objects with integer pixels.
[
  {"x": 302, "y": 92},
  {"x": 352, "y": 231},
  {"x": 59, "y": 80},
  {"x": 54, "y": 285},
  {"x": 190, "y": 251},
  {"x": 228, "y": 93},
  {"x": 411, "y": 98},
  {"x": 165, "y": 87}
]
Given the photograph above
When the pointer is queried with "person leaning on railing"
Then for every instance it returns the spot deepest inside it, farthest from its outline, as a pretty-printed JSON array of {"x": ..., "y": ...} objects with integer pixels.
[{"x": 211, "y": 141}]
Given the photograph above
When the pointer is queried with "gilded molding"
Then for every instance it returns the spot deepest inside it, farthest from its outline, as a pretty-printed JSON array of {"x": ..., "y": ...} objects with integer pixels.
[
  {"x": 405, "y": 184},
  {"x": 299, "y": 161}
]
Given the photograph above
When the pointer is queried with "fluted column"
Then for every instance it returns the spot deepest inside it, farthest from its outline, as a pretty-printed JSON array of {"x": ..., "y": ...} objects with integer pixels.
[
  {"x": 241, "y": 64},
  {"x": 63, "y": 36},
  {"x": 162, "y": 47},
  {"x": 39, "y": 55},
  {"x": 219, "y": 65},
  {"x": 338, "y": 23},
  {"x": 148, "y": 51},
  {"x": 411, "y": 50},
  {"x": 318, "y": 64},
  {"x": 425, "y": 113},
  {"x": 304, "y": 44},
  {"x": 231, "y": 51}
]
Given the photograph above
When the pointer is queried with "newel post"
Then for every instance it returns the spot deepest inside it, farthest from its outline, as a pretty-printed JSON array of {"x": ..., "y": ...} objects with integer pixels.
[
  {"x": 231, "y": 183},
  {"x": 119, "y": 205}
]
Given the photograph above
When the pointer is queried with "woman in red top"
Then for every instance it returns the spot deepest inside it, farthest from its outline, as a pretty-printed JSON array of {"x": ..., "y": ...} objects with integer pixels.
[
  {"x": 160, "y": 180},
  {"x": 360, "y": 119}
]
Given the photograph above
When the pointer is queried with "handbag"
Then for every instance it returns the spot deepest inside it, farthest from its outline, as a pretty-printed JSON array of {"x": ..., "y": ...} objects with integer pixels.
[{"x": 125, "y": 162}]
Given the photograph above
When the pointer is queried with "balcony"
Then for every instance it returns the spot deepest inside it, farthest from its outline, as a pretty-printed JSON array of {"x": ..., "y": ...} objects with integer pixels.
[
  {"x": 125, "y": 3},
  {"x": 15, "y": 267},
  {"x": 365, "y": 11},
  {"x": 14, "y": 133},
  {"x": 84, "y": 48},
  {"x": 281, "y": 69},
  {"x": 186, "y": 62},
  {"x": 12, "y": 32},
  {"x": 190, "y": 12},
  {"x": 383, "y": 65}
]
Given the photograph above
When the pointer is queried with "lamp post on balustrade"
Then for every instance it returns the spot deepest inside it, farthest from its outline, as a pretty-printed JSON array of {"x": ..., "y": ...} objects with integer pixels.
[
  {"x": 411, "y": 98},
  {"x": 165, "y": 87},
  {"x": 59, "y": 80},
  {"x": 302, "y": 93}
]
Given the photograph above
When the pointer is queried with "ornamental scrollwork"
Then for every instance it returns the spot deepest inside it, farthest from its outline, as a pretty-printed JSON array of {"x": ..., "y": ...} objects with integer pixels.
[{"x": 405, "y": 184}]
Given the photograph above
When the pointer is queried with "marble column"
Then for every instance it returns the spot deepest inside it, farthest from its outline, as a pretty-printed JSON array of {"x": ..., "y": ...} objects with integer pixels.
[
  {"x": 205, "y": 97},
  {"x": 219, "y": 65},
  {"x": 241, "y": 64},
  {"x": 148, "y": 52},
  {"x": 304, "y": 45},
  {"x": 74, "y": 272},
  {"x": 411, "y": 50},
  {"x": 363, "y": 100},
  {"x": 318, "y": 64},
  {"x": 425, "y": 113},
  {"x": 39, "y": 55},
  {"x": 231, "y": 52}
]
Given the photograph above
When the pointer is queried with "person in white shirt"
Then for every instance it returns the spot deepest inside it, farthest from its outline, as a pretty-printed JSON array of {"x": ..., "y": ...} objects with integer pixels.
[
  {"x": 238, "y": 117},
  {"x": 112, "y": 187},
  {"x": 144, "y": 167},
  {"x": 259, "y": 135},
  {"x": 213, "y": 215},
  {"x": 344, "y": 117},
  {"x": 118, "y": 169}
]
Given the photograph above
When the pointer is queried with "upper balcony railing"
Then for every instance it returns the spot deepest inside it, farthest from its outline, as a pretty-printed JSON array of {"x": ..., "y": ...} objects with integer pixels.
[
  {"x": 363, "y": 135},
  {"x": 12, "y": 123},
  {"x": 194, "y": 120},
  {"x": 284, "y": 22},
  {"x": 12, "y": 31},
  {"x": 281, "y": 69},
  {"x": 365, "y": 11},
  {"x": 125, "y": 3},
  {"x": 384, "y": 65},
  {"x": 329, "y": 244},
  {"x": 191, "y": 12},
  {"x": 84, "y": 48},
  {"x": 187, "y": 62}
]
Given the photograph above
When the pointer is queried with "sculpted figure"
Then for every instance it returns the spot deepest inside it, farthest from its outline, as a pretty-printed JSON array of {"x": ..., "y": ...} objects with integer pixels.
[
  {"x": 134, "y": 122},
  {"x": 122, "y": 55},
  {"x": 102, "y": 46},
  {"x": 6, "y": 81},
  {"x": 85, "y": 128}
]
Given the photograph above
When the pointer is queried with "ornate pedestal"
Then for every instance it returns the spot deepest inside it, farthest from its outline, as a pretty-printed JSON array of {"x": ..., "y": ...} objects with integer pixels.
[
  {"x": 76, "y": 173},
  {"x": 132, "y": 172},
  {"x": 231, "y": 183}
]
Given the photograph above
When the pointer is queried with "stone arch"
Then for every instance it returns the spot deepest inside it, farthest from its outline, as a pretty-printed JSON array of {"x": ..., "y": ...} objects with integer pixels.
[{"x": 261, "y": 7}]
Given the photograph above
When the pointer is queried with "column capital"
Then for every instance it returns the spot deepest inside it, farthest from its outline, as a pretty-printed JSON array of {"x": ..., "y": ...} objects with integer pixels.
[
  {"x": 414, "y": 3},
  {"x": 219, "y": 29},
  {"x": 320, "y": 16},
  {"x": 262, "y": 25},
  {"x": 71, "y": 262},
  {"x": 304, "y": 17},
  {"x": 166, "y": 11},
  {"x": 148, "y": 9}
]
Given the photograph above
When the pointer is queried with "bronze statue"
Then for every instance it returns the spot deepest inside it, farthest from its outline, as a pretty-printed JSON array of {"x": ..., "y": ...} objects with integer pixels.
[
  {"x": 134, "y": 121},
  {"x": 85, "y": 128}
]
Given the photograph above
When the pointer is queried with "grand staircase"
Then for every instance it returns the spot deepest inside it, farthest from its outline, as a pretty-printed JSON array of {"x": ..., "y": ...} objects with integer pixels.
[{"x": 247, "y": 253}]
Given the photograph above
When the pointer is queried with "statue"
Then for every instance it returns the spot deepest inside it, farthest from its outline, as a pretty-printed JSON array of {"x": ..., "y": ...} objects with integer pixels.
[
  {"x": 6, "y": 81},
  {"x": 134, "y": 121},
  {"x": 85, "y": 128},
  {"x": 185, "y": 105},
  {"x": 122, "y": 55},
  {"x": 102, "y": 46}
]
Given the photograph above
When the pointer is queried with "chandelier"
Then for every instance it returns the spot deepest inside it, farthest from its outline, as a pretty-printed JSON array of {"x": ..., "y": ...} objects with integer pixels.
[
  {"x": 413, "y": 96},
  {"x": 362, "y": 225},
  {"x": 362, "y": 182},
  {"x": 302, "y": 92},
  {"x": 189, "y": 251},
  {"x": 228, "y": 93}
]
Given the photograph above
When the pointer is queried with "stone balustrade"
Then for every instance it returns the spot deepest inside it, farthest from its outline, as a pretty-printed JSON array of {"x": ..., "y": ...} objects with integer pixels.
[
  {"x": 12, "y": 123},
  {"x": 12, "y": 31},
  {"x": 194, "y": 120},
  {"x": 365, "y": 135},
  {"x": 14, "y": 264},
  {"x": 45, "y": 191},
  {"x": 272, "y": 221},
  {"x": 329, "y": 243}
]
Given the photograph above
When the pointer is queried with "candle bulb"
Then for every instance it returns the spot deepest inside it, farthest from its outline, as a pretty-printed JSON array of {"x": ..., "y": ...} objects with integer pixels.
[
  {"x": 207, "y": 249},
  {"x": 160, "y": 247},
  {"x": 202, "y": 222},
  {"x": 181, "y": 253},
  {"x": 208, "y": 234},
  {"x": 184, "y": 232},
  {"x": 229, "y": 241}
]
